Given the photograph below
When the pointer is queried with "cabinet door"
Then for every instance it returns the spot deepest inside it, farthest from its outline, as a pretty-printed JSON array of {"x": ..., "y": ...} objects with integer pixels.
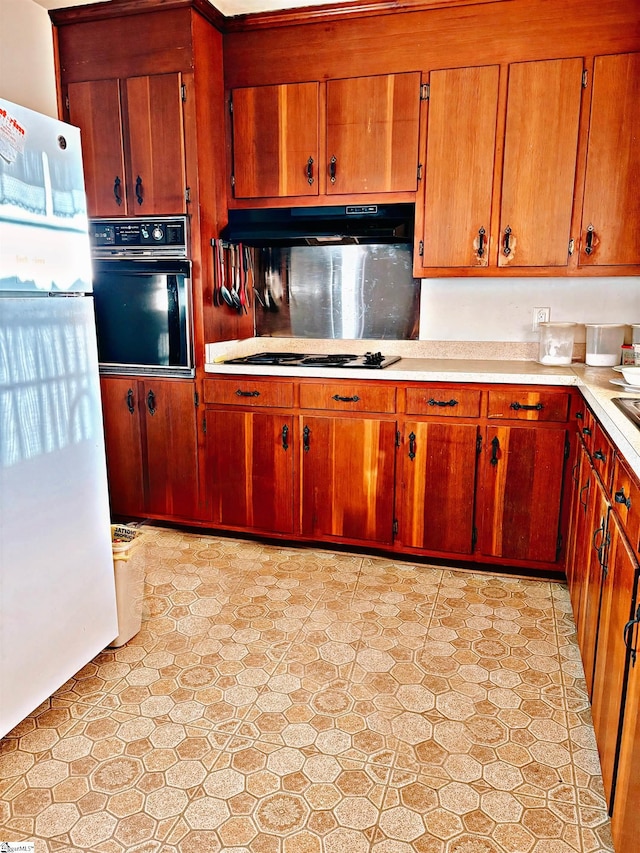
[
  {"x": 611, "y": 207},
  {"x": 172, "y": 448},
  {"x": 155, "y": 145},
  {"x": 121, "y": 403},
  {"x": 438, "y": 486},
  {"x": 275, "y": 141},
  {"x": 347, "y": 469},
  {"x": 625, "y": 821},
  {"x": 580, "y": 541},
  {"x": 591, "y": 572},
  {"x": 250, "y": 470},
  {"x": 95, "y": 108},
  {"x": 522, "y": 486},
  {"x": 372, "y": 133},
  {"x": 616, "y": 609},
  {"x": 458, "y": 178},
  {"x": 541, "y": 140}
]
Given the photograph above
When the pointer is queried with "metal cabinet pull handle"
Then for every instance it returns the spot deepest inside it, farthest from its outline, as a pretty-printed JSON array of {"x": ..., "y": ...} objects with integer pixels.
[
  {"x": 585, "y": 488},
  {"x": 574, "y": 472},
  {"x": 285, "y": 435},
  {"x": 433, "y": 402},
  {"x": 620, "y": 498},
  {"x": 599, "y": 549},
  {"x": 506, "y": 248},
  {"x": 495, "y": 447},
  {"x": 599, "y": 455},
  {"x": 588, "y": 249},
  {"x": 117, "y": 184},
  {"x": 626, "y": 635},
  {"x": 332, "y": 169},
  {"x": 310, "y": 171},
  {"x": 151, "y": 403},
  {"x": 412, "y": 446},
  {"x": 130, "y": 404},
  {"x": 535, "y": 408},
  {"x": 340, "y": 399},
  {"x": 306, "y": 432},
  {"x": 481, "y": 242},
  {"x": 139, "y": 196},
  {"x": 240, "y": 393}
]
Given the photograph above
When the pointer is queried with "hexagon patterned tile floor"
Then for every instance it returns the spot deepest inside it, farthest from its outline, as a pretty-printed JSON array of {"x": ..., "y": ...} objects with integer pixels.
[{"x": 280, "y": 700}]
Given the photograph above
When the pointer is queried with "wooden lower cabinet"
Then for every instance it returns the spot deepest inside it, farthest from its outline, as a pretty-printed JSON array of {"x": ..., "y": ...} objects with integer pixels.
[
  {"x": 618, "y": 586},
  {"x": 522, "y": 469},
  {"x": 437, "y": 486},
  {"x": 591, "y": 571},
  {"x": 603, "y": 575},
  {"x": 347, "y": 469},
  {"x": 250, "y": 469},
  {"x": 625, "y": 821},
  {"x": 151, "y": 446}
]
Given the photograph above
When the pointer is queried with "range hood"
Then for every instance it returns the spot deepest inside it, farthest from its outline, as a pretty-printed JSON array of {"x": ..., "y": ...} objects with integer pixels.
[{"x": 314, "y": 226}]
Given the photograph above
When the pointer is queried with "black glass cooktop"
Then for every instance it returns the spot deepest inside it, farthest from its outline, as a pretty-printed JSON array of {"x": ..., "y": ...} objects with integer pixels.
[{"x": 373, "y": 360}]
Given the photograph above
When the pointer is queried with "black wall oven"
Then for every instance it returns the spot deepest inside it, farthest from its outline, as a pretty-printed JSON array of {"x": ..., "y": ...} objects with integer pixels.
[{"x": 142, "y": 295}]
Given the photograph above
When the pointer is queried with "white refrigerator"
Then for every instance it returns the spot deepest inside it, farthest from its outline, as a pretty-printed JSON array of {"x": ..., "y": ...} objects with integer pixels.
[{"x": 57, "y": 591}]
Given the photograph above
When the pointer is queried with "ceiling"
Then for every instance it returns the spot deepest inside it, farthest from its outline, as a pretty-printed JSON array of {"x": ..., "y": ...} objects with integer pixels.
[{"x": 227, "y": 7}]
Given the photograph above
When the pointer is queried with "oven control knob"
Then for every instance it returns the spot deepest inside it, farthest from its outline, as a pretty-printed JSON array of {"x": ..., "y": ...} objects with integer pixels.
[
  {"x": 145, "y": 232},
  {"x": 158, "y": 233}
]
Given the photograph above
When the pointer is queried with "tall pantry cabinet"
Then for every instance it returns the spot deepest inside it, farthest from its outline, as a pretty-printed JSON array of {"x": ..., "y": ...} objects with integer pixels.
[{"x": 146, "y": 89}]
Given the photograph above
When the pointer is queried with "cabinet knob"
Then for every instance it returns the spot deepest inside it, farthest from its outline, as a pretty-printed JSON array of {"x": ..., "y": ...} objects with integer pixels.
[
  {"x": 117, "y": 194},
  {"x": 310, "y": 171},
  {"x": 332, "y": 169},
  {"x": 130, "y": 404},
  {"x": 139, "y": 196},
  {"x": 621, "y": 498}
]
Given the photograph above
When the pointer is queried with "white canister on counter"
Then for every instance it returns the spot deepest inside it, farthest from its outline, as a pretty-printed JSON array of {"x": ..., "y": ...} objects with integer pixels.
[
  {"x": 556, "y": 343},
  {"x": 603, "y": 344}
]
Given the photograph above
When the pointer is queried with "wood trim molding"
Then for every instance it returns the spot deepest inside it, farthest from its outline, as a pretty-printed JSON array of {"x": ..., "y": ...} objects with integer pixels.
[
  {"x": 332, "y": 12},
  {"x": 123, "y": 8},
  {"x": 255, "y": 21}
]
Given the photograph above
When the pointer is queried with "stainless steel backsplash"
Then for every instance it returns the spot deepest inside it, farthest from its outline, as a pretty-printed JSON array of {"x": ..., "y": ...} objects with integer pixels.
[{"x": 337, "y": 291}]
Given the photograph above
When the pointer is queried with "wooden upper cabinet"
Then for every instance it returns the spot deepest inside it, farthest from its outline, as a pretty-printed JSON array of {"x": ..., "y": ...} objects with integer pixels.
[
  {"x": 540, "y": 151},
  {"x": 461, "y": 138},
  {"x": 155, "y": 141},
  {"x": 282, "y": 146},
  {"x": 94, "y": 107},
  {"x": 132, "y": 144},
  {"x": 275, "y": 140},
  {"x": 372, "y": 133},
  {"x": 611, "y": 206}
]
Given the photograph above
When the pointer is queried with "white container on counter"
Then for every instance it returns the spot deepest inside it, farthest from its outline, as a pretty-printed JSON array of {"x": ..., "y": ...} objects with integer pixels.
[
  {"x": 556, "y": 343},
  {"x": 603, "y": 344}
]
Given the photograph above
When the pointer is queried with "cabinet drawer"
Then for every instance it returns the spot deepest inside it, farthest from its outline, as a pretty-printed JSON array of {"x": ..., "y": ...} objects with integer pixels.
[
  {"x": 602, "y": 455},
  {"x": 348, "y": 397},
  {"x": 521, "y": 404},
  {"x": 453, "y": 402},
  {"x": 245, "y": 391},
  {"x": 586, "y": 428},
  {"x": 625, "y": 496}
]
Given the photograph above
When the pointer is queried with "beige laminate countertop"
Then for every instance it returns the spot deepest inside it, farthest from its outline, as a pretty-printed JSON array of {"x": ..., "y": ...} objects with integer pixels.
[{"x": 593, "y": 382}]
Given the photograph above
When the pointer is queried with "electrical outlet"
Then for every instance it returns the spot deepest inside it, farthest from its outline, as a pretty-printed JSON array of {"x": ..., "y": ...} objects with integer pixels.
[{"x": 540, "y": 315}]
